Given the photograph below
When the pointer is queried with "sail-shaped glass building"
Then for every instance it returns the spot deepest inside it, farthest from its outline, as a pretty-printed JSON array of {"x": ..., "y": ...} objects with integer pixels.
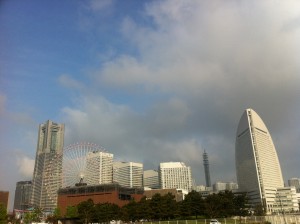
[{"x": 257, "y": 165}]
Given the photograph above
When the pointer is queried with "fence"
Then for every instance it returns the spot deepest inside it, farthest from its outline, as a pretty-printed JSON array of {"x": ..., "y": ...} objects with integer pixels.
[{"x": 273, "y": 219}]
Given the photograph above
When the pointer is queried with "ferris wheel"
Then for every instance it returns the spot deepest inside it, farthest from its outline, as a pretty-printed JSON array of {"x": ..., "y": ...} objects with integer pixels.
[
  {"x": 64, "y": 169},
  {"x": 74, "y": 162}
]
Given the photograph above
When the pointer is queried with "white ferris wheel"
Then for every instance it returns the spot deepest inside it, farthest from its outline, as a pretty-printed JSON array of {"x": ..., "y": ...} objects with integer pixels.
[{"x": 74, "y": 162}]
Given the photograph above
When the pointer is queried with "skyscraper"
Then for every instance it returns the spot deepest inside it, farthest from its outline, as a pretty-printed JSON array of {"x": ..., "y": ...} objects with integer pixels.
[
  {"x": 99, "y": 168},
  {"x": 128, "y": 174},
  {"x": 48, "y": 165},
  {"x": 22, "y": 195},
  {"x": 175, "y": 175},
  {"x": 206, "y": 169},
  {"x": 257, "y": 165}
]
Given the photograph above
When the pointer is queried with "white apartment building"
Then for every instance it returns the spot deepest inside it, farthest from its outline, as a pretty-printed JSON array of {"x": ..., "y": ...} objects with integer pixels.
[
  {"x": 128, "y": 174},
  {"x": 99, "y": 168},
  {"x": 286, "y": 200},
  {"x": 150, "y": 179},
  {"x": 175, "y": 175}
]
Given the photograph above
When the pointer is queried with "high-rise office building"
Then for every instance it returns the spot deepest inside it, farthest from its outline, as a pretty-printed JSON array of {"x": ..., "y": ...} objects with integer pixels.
[
  {"x": 206, "y": 169},
  {"x": 48, "y": 165},
  {"x": 99, "y": 168},
  {"x": 22, "y": 195},
  {"x": 257, "y": 165},
  {"x": 175, "y": 175},
  {"x": 150, "y": 179},
  {"x": 128, "y": 174}
]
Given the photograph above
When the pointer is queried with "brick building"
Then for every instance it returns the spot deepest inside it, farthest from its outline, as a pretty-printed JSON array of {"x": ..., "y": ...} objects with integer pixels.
[
  {"x": 4, "y": 198},
  {"x": 105, "y": 193}
]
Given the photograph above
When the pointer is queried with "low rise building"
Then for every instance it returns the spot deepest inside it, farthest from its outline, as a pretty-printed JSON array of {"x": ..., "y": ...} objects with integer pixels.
[
  {"x": 105, "y": 193},
  {"x": 286, "y": 200},
  {"x": 178, "y": 193},
  {"x": 4, "y": 195}
]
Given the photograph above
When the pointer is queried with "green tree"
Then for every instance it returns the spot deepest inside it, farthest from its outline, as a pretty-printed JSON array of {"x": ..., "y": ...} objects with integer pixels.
[
  {"x": 184, "y": 213},
  {"x": 3, "y": 213},
  {"x": 143, "y": 209},
  {"x": 227, "y": 206},
  {"x": 86, "y": 210},
  {"x": 155, "y": 207},
  {"x": 212, "y": 205},
  {"x": 35, "y": 215},
  {"x": 106, "y": 212},
  {"x": 168, "y": 207},
  {"x": 259, "y": 210},
  {"x": 129, "y": 212},
  {"x": 241, "y": 205},
  {"x": 54, "y": 217},
  {"x": 27, "y": 217},
  {"x": 71, "y": 212},
  {"x": 193, "y": 205}
]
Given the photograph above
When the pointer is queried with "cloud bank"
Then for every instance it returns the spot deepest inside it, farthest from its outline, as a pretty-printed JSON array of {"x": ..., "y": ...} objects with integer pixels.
[{"x": 197, "y": 65}]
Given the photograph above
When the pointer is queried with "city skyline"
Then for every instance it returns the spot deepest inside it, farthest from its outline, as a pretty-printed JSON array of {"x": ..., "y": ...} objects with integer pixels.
[{"x": 150, "y": 80}]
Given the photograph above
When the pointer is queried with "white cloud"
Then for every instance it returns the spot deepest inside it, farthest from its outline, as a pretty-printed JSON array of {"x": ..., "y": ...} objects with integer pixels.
[
  {"x": 206, "y": 61},
  {"x": 197, "y": 44},
  {"x": 97, "y": 6},
  {"x": 67, "y": 81},
  {"x": 25, "y": 166}
]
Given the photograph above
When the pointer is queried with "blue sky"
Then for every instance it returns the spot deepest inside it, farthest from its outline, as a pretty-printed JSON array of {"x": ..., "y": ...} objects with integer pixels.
[{"x": 150, "y": 81}]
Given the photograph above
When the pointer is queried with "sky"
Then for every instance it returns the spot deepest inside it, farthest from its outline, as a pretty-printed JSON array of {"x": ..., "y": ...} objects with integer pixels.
[{"x": 150, "y": 81}]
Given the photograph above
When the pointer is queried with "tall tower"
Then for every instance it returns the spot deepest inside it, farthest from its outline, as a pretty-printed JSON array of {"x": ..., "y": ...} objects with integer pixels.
[
  {"x": 206, "y": 169},
  {"x": 175, "y": 175},
  {"x": 128, "y": 174},
  {"x": 257, "y": 165},
  {"x": 48, "y": 169},
  {"x": 99, "y": 167}
]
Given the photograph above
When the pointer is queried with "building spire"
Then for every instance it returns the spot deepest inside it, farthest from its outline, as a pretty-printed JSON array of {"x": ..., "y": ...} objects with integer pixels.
[{"x": 206, "y": 169}]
